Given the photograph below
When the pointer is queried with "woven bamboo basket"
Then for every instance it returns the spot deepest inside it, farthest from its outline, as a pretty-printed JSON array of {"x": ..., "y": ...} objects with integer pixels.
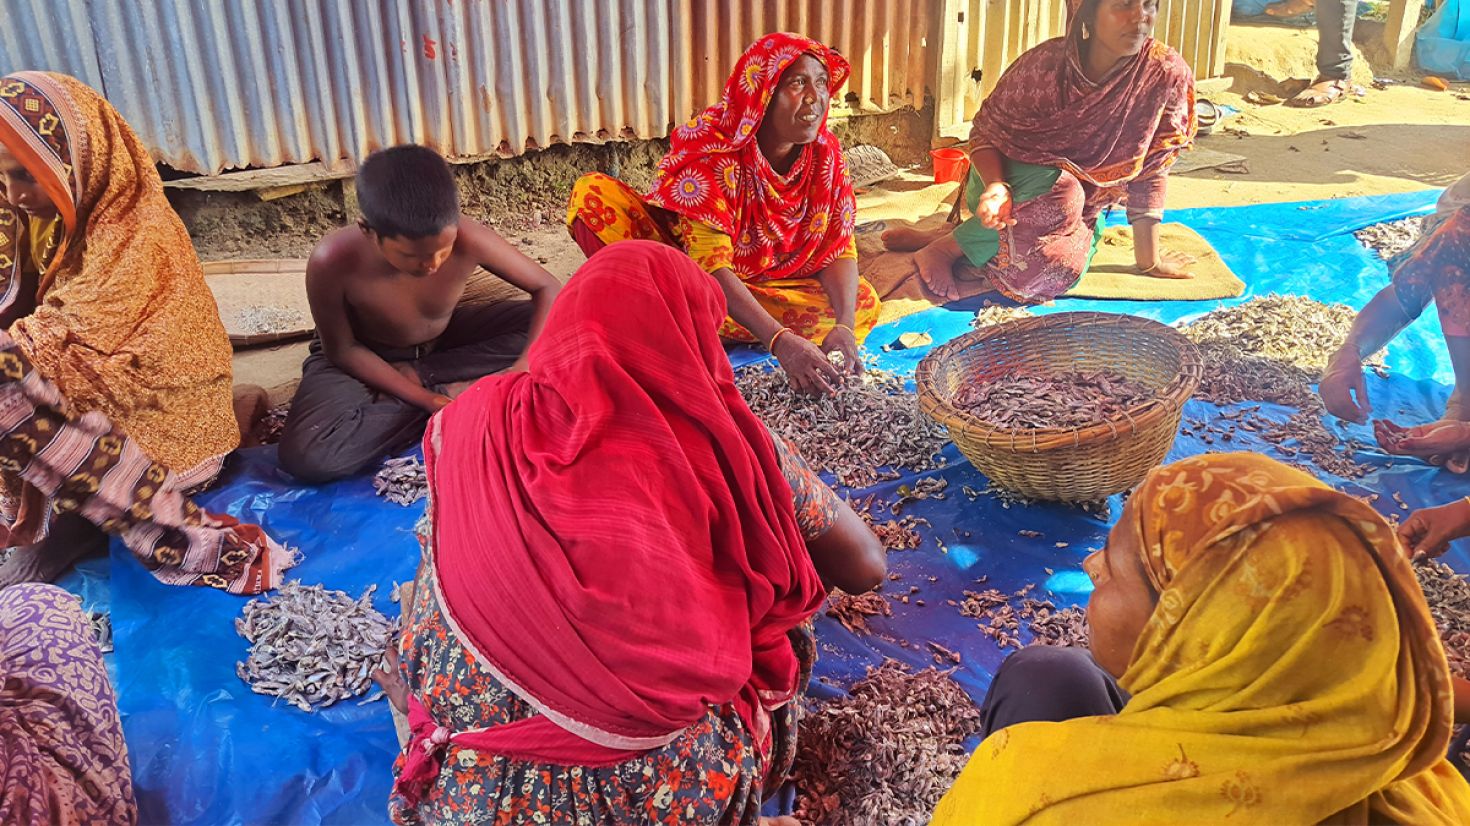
[{"x": 1066, "y": 464}]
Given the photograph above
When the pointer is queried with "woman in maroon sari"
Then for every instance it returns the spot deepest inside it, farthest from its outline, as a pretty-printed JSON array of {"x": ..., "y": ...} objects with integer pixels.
[{"x": 1077, "y": 124}]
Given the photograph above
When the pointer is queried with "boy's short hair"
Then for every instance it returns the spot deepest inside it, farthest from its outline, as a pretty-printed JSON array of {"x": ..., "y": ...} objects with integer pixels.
[{"x": 407, "y": 192}]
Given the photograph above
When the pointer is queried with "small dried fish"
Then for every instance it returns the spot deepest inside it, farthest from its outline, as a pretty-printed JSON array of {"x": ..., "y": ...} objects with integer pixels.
[
  {"x": 873, "y": 422},
  {"x": 1448, "y": 595},
  {"x": 1025, "y": 399},
  {"x": 1273, "y": 349},
  {"x": 268, "y": 430},
  {"x": 928, "y": 488},
  {"x": 853, "y": 611},
  {"x": 1001, "y": 615},
  {"x": 312, "y": 647},
  {"x": 886, "y": 753},
  {"x": 1097, "y": 508},
  {"x": 402, "y": 480},
  {"x": 1391, "y": 238},
  {"x": 101, "y": 622},
  {"x": 259, "y": 319},
  {"x": 897, "y": 534},
  {"x": 992, "y": 314}
]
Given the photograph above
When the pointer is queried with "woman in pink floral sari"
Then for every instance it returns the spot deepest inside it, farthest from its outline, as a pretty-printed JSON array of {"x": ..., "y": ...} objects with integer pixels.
[{"x": 1077, "y": 124}]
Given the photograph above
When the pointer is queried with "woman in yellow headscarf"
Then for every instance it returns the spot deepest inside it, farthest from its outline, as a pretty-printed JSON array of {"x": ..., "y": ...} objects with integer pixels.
[
  {"x": 1282, "y": 663},
  {"x": 101, "y": 290}
]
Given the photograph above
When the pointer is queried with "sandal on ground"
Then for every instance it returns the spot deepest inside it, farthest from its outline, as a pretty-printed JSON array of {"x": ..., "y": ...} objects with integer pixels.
[
  {"x": 1320, "y": 93},
  {"x": 1287, "y": 9}
]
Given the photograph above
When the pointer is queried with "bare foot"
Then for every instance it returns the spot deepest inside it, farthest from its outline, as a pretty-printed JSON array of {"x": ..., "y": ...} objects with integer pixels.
[
  {"x": 72, "y": 539},
  {"x": 251, "y": 405},
  {"x": 936, "y": 267},
  {"x": 913, "y": 239}
]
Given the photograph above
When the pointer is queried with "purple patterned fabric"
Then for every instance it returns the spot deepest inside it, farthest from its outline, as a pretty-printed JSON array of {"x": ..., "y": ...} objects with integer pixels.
[{"x": 62, "y": 756}]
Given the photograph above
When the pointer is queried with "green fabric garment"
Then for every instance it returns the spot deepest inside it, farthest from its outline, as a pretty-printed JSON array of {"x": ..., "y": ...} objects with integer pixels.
[{"x": 979, "y": 242}]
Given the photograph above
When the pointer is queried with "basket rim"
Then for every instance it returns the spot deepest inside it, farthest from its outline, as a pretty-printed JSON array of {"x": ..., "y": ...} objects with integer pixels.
[{"x": 1167, "y": 403}]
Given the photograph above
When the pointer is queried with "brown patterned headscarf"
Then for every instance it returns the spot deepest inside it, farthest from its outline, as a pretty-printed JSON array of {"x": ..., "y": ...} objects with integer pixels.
[{"x": 124, "y": 323}]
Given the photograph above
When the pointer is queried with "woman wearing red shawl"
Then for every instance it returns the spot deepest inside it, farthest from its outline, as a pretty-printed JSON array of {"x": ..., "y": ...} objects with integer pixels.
[
  {"x": 1077, "y": 124},
  {"x": 609, "y": 624},
  {"x": 756, "y": 190}
]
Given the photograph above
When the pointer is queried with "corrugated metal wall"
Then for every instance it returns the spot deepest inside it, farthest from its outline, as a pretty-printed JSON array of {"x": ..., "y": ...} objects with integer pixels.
[
  {"x": 887, "y": 42},
  {"x": 982, "y": 37},
  {"x": 213, "y": 85}
]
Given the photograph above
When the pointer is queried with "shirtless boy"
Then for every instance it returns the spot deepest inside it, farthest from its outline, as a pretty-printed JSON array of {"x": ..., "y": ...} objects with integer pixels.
[{"x": 394, "y": 343}]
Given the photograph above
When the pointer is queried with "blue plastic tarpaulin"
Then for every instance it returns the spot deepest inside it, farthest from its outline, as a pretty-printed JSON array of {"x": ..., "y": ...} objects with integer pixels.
[
  {"x": 1443, "y": 42},
  {"x": 206, "y": 750}
]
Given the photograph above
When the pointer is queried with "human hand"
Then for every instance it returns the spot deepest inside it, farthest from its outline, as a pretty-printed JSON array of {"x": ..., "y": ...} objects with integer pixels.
[
  {"x": 408, "y": 371},
  {"x": 1343, "y": 379},
  {"x": 390, "y": 678},
  {"x": 1428, "y": 532},
  {"x": 841, "y": 340},
  {"x": 806, "y": 366},
  {"x": 436, "y": 402},
  {"x": 1438, "y": 439},
  {"x": 1170, "y": 264},
  {"x": 995, "y": 206}
]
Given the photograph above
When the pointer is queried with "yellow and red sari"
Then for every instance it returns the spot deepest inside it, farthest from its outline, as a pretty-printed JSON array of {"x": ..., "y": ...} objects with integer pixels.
[
  {"x": 123, "y": 322},
  {"x": 717, "y": 198}
]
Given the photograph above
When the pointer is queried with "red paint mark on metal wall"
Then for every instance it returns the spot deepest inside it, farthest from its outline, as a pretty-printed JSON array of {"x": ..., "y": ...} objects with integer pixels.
[{"x": 429, "y": 47}]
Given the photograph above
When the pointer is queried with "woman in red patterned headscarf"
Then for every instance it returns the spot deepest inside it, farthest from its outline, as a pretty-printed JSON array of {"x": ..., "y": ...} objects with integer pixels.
[
  {"x": 755, "y": 189},
  {"x": 1077, "y": 124}
]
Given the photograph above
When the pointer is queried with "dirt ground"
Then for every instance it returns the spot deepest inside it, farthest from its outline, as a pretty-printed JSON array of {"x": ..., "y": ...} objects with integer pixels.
[{"x": 1400, "y": 138}]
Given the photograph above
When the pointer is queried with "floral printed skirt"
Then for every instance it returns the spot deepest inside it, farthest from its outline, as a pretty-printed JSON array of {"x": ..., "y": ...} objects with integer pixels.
[{"x": 712, "y": 774}]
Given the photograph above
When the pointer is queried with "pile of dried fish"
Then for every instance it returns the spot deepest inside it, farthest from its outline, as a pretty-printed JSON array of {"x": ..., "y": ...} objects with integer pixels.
[
  {"x": 310, "y": 646},
  {"x": 886, "y": 753},
  {"x": 999, "y": 620},
  {"x": 1391, "y": 238},
  {"x": 256, "y": 320},
  {"x": 853, "y": 611},
  {"x": 1273, "y": 349},
  {"x": 1448, "y": 595},
  {"x": 268, "y": 430},
  {"x": 1066, "y": 627},
  {"x": 992, "y": 314},
  {"x": 1001, "y": 615},
  {"x": 873, "y": 422},
  {"x": 900, "y": 533},
  {"x": 1024, "y": 400},
  {"x": 402, "y": 480},
  {"x": 1287, "y": 341}
]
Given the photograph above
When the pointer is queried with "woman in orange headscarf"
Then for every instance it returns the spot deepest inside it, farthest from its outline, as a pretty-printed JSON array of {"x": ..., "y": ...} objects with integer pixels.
[
  {"x": 1281, "y": 659},
  {"x": 756, "y": 190},
  {"x": 102, "y": 291}
]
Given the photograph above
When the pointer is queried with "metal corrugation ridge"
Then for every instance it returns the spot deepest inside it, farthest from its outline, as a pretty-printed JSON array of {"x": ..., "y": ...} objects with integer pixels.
[
  {"x": 50, "y": 36},
  {"x": 212, "y": 86},
  {"x": 885, "y": 40},
  {"x": 216, "y": 85}
]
